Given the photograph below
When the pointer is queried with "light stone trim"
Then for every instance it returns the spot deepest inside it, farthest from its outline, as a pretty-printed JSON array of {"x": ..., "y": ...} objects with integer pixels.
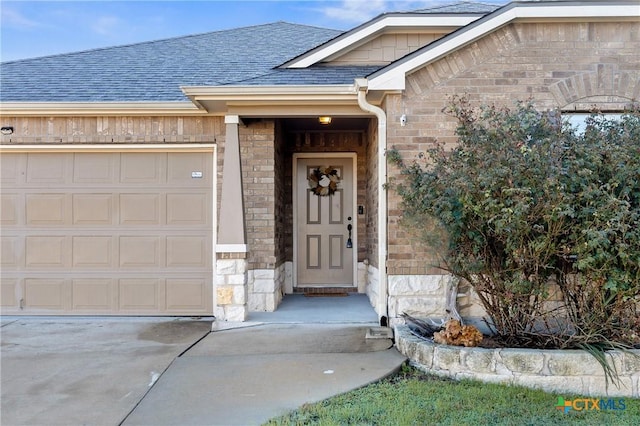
[
  {"x": 417, "y": 295},
  {"x": 363, "y": 273},
  {"x": 559, "y": 371},
  {"x": 373, "y": 287},
  {"x": 231, "y": 290},
  {"x": 266, "y": 287}
]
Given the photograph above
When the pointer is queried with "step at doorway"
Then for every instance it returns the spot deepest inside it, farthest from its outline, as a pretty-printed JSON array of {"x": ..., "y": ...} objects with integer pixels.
[{"x": 325, "y": 291}]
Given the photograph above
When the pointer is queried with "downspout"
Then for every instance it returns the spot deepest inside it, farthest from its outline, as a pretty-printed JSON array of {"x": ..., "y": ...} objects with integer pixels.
[{"x": 362, "y": 86}]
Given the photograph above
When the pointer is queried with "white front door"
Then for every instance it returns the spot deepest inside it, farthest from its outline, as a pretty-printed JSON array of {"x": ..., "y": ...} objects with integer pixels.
[{"x": 325, "y": 228}]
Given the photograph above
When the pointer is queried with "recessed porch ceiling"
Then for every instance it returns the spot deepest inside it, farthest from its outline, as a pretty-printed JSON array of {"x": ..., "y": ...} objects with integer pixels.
[{"x": 311, "y": 124}]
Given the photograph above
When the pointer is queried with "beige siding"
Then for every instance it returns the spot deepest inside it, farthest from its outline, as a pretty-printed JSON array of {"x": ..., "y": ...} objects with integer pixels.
[{"x": 385, "y": 49}]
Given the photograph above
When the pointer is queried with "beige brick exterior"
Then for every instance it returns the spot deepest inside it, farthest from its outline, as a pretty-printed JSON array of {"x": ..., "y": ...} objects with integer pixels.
[
  {"x": 371, "y": 191},
  {"x": 111, "y": 129},
  {"x": 557, "y": 65},
  {"x": 569, "y": 65},
  {"x": 257, "y": 142}
]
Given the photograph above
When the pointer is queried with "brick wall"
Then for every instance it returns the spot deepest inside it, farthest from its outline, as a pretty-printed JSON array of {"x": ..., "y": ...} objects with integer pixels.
[
  {"x": 94, "y": 130},
  {"x": 556, "y": 65},
  {"x": 257, "y": 154},
  {"x": 283, "y": 211},
  {"x": 267, "y": 182},
  {"x": 371, "y": 191}
]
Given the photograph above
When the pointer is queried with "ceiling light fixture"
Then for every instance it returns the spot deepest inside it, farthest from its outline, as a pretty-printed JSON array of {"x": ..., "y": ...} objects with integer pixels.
[{"x": 324, "y": 120}]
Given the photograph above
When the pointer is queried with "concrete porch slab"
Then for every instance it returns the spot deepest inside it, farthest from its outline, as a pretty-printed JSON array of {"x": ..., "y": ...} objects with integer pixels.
[{"x": 299, "y": 309}]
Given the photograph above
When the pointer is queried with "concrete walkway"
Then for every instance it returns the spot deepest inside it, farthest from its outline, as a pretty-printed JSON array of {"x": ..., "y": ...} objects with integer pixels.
[
  {"x": 164, "y": 371},
  {"x": 247, "y": 376}
]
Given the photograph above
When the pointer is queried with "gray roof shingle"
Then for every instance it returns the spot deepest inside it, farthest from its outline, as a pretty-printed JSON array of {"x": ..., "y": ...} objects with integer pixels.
[
  {"x": 461, "y": 7},
  {"x": 154, "y": 71},
  {"x": 321, "y": 74}
]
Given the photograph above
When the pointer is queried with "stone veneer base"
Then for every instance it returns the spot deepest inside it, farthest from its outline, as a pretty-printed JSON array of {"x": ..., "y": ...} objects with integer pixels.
[{"x": 558, "y": 371}]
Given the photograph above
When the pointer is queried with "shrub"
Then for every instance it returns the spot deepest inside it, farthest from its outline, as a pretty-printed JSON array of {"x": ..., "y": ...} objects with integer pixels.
[{"x": 529, "y": 205}]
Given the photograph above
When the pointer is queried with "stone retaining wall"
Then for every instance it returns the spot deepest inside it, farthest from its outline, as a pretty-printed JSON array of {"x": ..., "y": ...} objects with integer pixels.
[{"x": 558, "y": 371}]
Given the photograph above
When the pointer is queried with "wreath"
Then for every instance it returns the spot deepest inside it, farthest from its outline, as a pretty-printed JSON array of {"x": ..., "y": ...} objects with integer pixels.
[{"x": 323, "y": 181}]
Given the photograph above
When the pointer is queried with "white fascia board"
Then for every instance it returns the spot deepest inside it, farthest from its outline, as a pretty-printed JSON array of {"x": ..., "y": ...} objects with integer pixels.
[
  {"x": 98, "y": 108},
  {"x": 260, "y": 91},
  {"x": 249, "y": 100},
  {"x": 359, "y": 36},
  {"x": 394, "y": 77},
  {"x": 114, "y": 147},
  {"x": 269, "y": 93}
]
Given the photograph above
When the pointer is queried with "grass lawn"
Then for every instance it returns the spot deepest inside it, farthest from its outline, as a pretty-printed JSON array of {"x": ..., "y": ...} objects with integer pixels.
[{"x": 414, "y": 398}]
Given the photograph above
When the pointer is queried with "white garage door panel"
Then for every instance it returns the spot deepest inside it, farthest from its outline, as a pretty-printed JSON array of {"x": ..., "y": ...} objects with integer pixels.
[{"x": 106, "y": 233}]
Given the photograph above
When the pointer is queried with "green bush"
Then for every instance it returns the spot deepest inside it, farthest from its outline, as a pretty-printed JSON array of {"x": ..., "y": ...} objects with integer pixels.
[{"x": 534, "y": 212}]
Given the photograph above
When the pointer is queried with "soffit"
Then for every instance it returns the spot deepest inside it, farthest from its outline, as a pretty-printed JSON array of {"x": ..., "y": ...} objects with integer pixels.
[{"x": 276, "y": 101}]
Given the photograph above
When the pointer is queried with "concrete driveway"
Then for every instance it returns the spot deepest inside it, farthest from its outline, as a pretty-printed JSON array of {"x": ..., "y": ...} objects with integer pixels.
[
  {"x": 75, "y": 371},
  {"x": 168, "y": 371}
]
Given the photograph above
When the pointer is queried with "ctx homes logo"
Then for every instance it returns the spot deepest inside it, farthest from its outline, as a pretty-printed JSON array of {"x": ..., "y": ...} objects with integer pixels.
[{"x": 589, "y": 404}]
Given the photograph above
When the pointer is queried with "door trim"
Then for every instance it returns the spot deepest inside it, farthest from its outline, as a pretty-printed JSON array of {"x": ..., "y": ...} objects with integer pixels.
[{"x": 303, "y": 155}]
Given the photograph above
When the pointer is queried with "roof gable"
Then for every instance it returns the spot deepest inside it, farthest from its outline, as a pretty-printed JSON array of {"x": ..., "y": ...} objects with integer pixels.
[
  {"x": 431, "y": 20},
  {"x": 393, "y": 76}
]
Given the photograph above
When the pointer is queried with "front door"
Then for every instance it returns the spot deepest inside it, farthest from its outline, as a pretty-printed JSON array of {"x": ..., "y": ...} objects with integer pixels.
[{"x": 325, "y": 225}]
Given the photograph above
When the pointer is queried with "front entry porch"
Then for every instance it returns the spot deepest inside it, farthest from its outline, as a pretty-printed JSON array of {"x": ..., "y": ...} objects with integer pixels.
[
  {"x": 276, "y": 237},
  {"x": 300, "y": 309}
]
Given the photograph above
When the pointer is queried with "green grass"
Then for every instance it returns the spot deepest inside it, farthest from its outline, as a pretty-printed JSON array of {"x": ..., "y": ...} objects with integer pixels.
[{"x": 414, "y": 398}]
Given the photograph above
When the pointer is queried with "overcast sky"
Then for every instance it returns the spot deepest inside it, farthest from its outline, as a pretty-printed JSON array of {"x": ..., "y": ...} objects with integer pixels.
[{"x": 38, "y": 28}]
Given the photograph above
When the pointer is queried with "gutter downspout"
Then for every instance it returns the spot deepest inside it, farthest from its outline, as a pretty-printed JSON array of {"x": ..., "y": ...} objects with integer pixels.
[{"x": 362, "y": 86}]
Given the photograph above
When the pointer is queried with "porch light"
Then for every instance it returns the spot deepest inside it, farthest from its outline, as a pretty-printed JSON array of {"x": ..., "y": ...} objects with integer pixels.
[{"x": 324, "y": 120}]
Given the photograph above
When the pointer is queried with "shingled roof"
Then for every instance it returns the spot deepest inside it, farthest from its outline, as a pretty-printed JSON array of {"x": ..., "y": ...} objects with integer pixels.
[
  {"x": 460, "y": 7},
  {"x": 154, "y": 71},
  {"x": 320, "y": 74}
]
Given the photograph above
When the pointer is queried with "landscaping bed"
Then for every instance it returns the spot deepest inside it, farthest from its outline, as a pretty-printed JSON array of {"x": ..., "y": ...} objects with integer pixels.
[{"x": 560, "y": 371}]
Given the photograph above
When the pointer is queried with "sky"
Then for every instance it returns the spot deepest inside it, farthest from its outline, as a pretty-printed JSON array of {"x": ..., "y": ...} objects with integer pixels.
[{"x": 39, "y": 28}]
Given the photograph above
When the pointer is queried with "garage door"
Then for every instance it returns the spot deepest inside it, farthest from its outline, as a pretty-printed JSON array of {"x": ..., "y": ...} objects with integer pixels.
[{"x": 106, "y": 233}]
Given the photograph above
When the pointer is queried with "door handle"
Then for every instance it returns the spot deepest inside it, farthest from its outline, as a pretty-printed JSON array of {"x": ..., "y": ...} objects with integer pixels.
[{"x": 349, "y": 243}]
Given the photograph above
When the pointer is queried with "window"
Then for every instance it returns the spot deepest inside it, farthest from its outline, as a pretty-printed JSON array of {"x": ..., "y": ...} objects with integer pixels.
[{"x": 578, "y": 120}]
